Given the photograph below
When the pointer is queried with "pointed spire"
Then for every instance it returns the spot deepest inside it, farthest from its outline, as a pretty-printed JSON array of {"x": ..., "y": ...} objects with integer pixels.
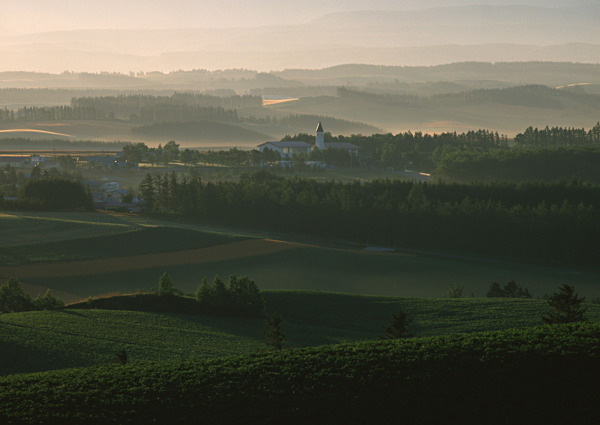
[{"x": 319, "y": 127}]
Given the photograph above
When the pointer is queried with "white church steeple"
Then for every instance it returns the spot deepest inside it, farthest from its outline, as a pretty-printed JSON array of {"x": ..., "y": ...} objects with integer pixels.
[{"x": 320, "y": 140}]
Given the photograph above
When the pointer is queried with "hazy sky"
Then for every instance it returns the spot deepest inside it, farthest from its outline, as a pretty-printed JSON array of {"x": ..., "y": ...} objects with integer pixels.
[{"x": 27, "y": 16}]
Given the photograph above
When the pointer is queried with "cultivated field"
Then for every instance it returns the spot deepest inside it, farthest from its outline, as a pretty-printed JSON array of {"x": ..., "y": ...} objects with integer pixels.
[
  {"x": 36, "y": 341},
  {"x": 89, "y": 254}
]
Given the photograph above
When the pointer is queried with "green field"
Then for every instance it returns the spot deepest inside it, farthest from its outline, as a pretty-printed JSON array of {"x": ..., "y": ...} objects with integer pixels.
[
  {"x": 32, "y": 228},
  {"x": 49, "y": 237},
  {"x": 543, "y": 374},
  {"x": 139, "y": 241},
  {"x": 36, "y": 341}
]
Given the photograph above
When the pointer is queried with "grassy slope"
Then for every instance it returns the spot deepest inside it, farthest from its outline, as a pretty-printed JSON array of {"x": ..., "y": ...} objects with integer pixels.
[
  {"x": 308, "y": 268},
  {"x": 37, "y": 341},
  {"x": 26, "y": 228},
  {"x": 536, "y": 375},
  {"x": 324, "y": 269},
  {"x": 147, "y": 240}
]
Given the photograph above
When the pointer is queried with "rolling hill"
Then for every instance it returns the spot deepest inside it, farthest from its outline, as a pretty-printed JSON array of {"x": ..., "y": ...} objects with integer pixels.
[
  {"x": 46, "y": 340},
  {"x": 132, "y": 257}
]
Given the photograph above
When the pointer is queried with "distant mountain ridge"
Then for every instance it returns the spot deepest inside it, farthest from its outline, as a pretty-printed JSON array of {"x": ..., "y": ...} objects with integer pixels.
[{"x": 414, "y": 37}]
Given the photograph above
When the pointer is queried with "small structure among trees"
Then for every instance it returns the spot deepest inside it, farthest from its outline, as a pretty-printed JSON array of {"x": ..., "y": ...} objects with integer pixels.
[{"x": 566, "y": 307}]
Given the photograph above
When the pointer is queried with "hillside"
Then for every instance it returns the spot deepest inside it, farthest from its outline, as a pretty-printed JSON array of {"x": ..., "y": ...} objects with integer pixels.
[
  {"x": 45, "y": 340},
  {"x": 507, "y": 110},
  {"x": 516, "y": 376}
]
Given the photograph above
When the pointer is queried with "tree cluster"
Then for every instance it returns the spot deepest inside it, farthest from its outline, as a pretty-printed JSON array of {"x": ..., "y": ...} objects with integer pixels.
[
  {"x": 240, "y": 296},
  {"x": 519, "y": 164},
  {"x": 51, "y": 193},
  {"x": 14, "y": 299},
  {"x": 509, "y": 290}
]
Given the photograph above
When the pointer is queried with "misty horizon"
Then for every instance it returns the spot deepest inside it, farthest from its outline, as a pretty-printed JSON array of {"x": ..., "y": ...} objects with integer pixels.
[{"x": 287, "y": 36}]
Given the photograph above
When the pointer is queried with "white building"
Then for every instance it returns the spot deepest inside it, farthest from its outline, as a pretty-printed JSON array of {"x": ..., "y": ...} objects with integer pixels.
[
  {"x": 286, "y": 149},
  {"x": 320, "y": 143}
]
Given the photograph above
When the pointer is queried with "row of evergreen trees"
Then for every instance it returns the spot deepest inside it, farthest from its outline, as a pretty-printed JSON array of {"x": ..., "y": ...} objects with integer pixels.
[
  {"x": 47, "y": 113},
  {"x": 559, "y": 136},
  {"x": 549, "y": 222}
]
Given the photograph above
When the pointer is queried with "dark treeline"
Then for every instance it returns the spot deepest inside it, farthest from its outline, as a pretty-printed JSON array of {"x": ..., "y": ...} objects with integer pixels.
[
  {"x": 63, "y": 96},
  {"x": 177, "y": 107},
  {"x": 139, "y": 107},
  {"x": 54, "y": 191},
  {"x": 519, "y": 164},
  {"x": 48, "y": 113},
  {"x": 545, "y": 222},
  {"x": 558, "y": 136},
  {"x": 527, "y": 95},
  {"x": 404, "y": 149}
]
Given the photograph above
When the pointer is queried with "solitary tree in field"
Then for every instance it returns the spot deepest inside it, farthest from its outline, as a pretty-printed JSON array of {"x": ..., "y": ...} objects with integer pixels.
[
  {"x": 165, "y": 285},
  {"x": 275, "y": 336},
  {"x": 566, "y": 307},
  {"x": 397, "y": 327}
]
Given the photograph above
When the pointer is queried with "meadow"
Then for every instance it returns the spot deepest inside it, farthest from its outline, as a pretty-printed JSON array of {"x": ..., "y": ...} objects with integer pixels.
[
  {"x": 46, "y": 340},
  {"x": 142, "y": 247}
]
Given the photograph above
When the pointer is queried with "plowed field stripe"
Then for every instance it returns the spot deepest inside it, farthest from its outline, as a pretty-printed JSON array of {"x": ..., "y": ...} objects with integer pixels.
[{"x": 231, "y": 251}]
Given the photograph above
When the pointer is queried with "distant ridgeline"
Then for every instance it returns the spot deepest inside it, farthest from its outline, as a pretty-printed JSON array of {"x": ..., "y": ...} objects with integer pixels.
[
  {"x": 533, "y": 95},
  {"x": 548, "y": 222}
]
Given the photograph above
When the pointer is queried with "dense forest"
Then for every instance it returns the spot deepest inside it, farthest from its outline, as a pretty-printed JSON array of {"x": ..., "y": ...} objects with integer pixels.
[{"x": 545, "y": 222}]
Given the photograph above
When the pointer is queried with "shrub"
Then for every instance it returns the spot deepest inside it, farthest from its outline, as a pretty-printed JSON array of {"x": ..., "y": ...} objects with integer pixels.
[{"x": 13, "y": 298}]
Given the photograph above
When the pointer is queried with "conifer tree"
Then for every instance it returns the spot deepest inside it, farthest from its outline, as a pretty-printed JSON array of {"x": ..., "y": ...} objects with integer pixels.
[
  {"x": 397, "y": 327},
  {"x": 566, "y": 307},
  {"x": 275, "y": 336}
]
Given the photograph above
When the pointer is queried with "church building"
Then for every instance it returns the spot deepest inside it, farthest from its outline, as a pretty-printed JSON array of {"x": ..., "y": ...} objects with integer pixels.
[
  {"x": 320, "y": 143},
  {"x": 287, "y": 149}
]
